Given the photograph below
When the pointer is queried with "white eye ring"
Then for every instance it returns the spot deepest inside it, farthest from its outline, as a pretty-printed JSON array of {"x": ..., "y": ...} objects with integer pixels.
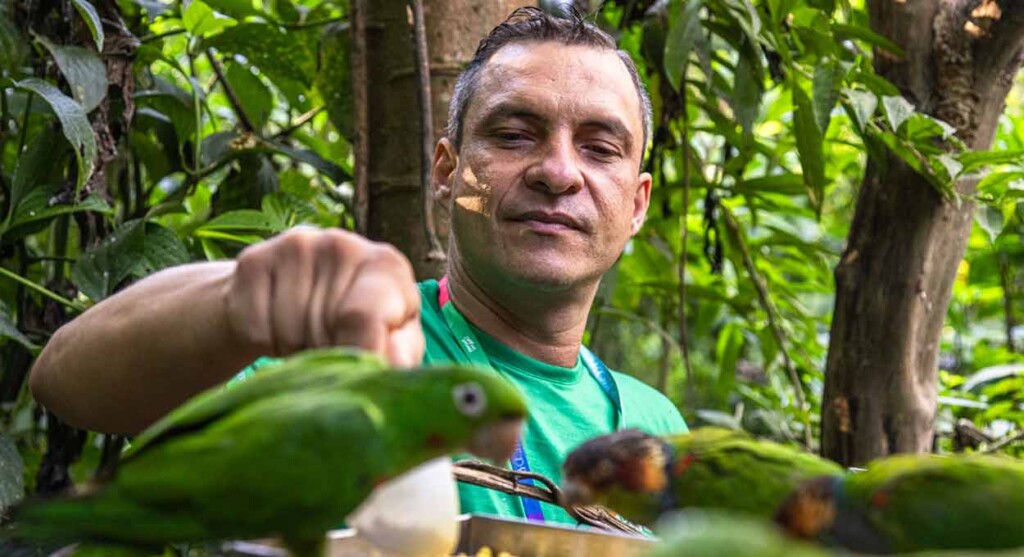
[{"x": 470, "y": 399}]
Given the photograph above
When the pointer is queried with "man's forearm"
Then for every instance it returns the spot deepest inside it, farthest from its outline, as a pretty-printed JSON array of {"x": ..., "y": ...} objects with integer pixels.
[{"x": 130, "y": 359}]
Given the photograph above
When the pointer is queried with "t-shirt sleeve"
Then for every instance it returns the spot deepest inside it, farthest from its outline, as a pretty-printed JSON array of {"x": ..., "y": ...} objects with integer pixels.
[{"x": 647, "y": 409}]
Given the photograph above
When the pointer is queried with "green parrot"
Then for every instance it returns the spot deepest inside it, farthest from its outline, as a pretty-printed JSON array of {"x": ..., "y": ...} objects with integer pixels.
[
  {"x": 641, "y": 476},
  {"x": 913, "y": 503},
  {"x": 708, "y": 533},
  {"x": 248, "y": 463}
]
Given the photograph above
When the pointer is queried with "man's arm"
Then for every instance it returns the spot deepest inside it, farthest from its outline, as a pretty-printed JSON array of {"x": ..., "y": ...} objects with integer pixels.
[{"x": 133, "y": 357}]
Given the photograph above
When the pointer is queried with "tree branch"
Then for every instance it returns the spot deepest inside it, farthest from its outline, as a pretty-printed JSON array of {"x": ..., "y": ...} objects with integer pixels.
[
  {"x": 1000, "y": 49},
  {"x": 773, "y": 317},
  {"x": 232, "y": 97},
  {"x": 419, "y": 35},
  {"x": 360, "y": 98}
]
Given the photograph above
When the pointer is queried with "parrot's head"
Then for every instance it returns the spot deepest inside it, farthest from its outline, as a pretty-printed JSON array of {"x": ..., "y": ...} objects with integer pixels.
[
  {"x": 451, "y": 409},
  {"x": 819, "y": 511},
  {"x": 626, "y": 471}
]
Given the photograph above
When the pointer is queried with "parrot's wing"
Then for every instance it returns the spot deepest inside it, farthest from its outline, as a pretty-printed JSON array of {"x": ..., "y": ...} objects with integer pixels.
[
  {"x": 293, "y": 466},
  {"x": 314, "y": 369},
  {"x": 944, "y": 503}
]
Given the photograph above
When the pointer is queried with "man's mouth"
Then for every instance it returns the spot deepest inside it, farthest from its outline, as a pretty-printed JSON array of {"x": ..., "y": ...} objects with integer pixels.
[{"x": 545, "y": 222}]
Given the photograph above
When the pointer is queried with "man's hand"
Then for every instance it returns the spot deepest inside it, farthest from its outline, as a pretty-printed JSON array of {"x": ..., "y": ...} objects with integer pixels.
[{"x": 310, "y": 288}]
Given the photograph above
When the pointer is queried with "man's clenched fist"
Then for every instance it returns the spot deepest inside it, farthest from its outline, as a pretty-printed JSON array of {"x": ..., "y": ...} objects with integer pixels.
[{"x": 310, "y": 288}]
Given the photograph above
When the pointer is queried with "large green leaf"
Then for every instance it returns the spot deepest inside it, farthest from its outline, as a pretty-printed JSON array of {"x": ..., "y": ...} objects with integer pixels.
[
  {"x": 866, "y": 35},
  {"x": 162, "y": 249},
  {"x": 104, "y": 266},
  {"x": 38, "y": 166},
  {"x": 73, "y": 121},
  {"x": 276, "y": 53},
  {"x": 92, "y": 20},
  {"x": 977, "y": 160},
  {"x": 809, "y": 145},
  {"x": 333, "y": 79},
  {"x": 201, "y": 21},
  {"x": 828, "y": 77},
  {"x": 241, "y": 220},
  {"x": 12, "y": 475},
  {"x": 863, "y": 104},
  {"x": 237, "y": 9},
  {"x": 37, "y": 205},
  {"x": 746, "y": 97},
  {"x": 12, "y": 43},
  {"x": 684, "y": 27},
  {"x": 83, "y": 70},
  {"x": 255, "y": 98}
]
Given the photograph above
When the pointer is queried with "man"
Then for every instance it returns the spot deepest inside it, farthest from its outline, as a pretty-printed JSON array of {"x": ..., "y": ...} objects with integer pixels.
[{"x": 540, "y": 171}]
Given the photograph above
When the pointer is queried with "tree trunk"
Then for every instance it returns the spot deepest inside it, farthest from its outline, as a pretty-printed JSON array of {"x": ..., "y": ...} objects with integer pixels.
[
  {"x": 895, "y": 279},
  {"x": 453, "y": 29}
]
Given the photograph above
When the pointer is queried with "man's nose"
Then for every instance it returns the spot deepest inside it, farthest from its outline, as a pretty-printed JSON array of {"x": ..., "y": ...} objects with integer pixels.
[{"x": 557, "y": 169}]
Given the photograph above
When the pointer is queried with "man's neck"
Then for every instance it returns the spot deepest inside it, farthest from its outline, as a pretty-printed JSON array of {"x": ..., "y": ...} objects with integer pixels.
[{"x": 546, "y": 326}]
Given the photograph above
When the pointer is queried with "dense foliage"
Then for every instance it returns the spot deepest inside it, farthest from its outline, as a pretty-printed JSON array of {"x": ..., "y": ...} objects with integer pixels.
[{"x": 143, "y": 134}]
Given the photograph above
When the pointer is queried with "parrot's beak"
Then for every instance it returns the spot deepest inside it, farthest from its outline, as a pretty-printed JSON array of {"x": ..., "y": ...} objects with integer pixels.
[
  {"x": 576, "y": 494},
  {"x": 496, "y": 442}
]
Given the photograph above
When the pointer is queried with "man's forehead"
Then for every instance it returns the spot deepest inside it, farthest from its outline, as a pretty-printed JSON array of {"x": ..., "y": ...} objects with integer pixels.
[{"x": 577, "y": 76}]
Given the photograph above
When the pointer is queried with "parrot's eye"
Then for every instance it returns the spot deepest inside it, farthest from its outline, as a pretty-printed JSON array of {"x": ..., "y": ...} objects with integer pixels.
[{"x": 470, "y": 399}]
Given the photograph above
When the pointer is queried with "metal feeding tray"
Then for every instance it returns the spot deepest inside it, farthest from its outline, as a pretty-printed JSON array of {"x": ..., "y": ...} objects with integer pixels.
[{"x": 517, "y": 537}]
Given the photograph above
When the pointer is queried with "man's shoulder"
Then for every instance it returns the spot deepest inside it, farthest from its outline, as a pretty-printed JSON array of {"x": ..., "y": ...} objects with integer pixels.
[{"x": 647, "y": 408}]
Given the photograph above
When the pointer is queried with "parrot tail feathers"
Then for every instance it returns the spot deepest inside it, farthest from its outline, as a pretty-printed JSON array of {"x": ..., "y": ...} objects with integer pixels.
[{"x": 99, "y": 518}]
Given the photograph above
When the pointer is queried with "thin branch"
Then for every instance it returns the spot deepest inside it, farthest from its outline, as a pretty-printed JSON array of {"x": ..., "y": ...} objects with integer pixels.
[
  {"x": 773, "y": 318},
  {"x": 360, "y": 96},
  {"x": 1000, "y": 443},
  {"x": 302, "y": 120},
  {"x": 165, "y": 34},
  {"x": 683, "y": 237},
  {"x": 236, "y": 104},
  {"x": 42, "y": 290},
  {"x": 419, "y": 34}
]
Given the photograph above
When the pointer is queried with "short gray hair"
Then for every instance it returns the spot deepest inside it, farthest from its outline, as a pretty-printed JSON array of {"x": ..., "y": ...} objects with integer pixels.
[{"x": 532, "y": 24}]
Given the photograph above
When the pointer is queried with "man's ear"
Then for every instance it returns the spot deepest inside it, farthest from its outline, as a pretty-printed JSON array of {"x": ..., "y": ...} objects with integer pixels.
[
  {"x": 641, "y": 201},
  {"x": 442, "y": 171}
]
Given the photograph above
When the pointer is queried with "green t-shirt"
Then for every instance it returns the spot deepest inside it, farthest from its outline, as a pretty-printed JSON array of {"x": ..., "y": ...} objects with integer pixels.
[{"x": 567, "y": 407}]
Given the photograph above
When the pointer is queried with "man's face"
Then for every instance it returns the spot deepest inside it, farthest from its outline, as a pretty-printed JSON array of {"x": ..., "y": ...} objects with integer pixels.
[{"x": 545, "y": 189}]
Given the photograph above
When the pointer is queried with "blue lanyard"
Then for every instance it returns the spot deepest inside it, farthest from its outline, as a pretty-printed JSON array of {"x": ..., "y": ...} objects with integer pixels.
[{"x": 467, "y": 340}]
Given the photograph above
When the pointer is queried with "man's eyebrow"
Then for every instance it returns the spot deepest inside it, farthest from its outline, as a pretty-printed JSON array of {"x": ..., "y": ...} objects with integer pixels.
[
  {"x": 507, "y": 111},
  {"x": 615, "y": 127}
]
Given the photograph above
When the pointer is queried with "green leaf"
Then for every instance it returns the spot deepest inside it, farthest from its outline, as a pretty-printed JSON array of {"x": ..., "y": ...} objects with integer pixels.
[
  {"x": 866, "y": 35},
  {"x": 36, "y": 206},
  {"x": 336, "y": 173},
  {"x": 334, "y": 81},
  {"x": 828, "y": 76},
  {"x": 201, "y": 21},
  {"x": 13, "y": 49},
  {"x": 38, "y": 166},
  {"x": 162, "y": 249},
  {"x": 92, "y": 20},
  {"x": 103, "y": 267},
  {"x": 83, "y": 70},
  {"x": 73, "y": 121},
  {"x": 809, "y": 146},
  {"x": 237, "y": 9},
  {"x": 913, "y": 158},
  {"x": 684, "y": 26},
  {"x": 897, "y": 110},
  {"x": 241, "y": 220},
  {"x": 9, "y": 330},
  {"x": 255, "y": 98},
  {"x": 281, "y": 56},
  {"x": 991, "y": 221},
  {"x": 786, "y": 184},
  {"x": 977, "y": 160},
  {"x": 863, "y": 105},
  {"x": 746, "y": 97},
  {"x": 12, "y": 475}
]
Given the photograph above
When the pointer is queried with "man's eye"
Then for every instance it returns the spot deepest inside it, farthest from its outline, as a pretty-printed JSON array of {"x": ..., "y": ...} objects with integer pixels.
[
  {"x": 601, "y": 150},
  {"x": 510, "y": 135}
]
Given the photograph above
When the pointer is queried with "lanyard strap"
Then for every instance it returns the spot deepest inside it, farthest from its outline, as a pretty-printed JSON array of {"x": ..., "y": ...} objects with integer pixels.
[{"x": 467, "y": 340}]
